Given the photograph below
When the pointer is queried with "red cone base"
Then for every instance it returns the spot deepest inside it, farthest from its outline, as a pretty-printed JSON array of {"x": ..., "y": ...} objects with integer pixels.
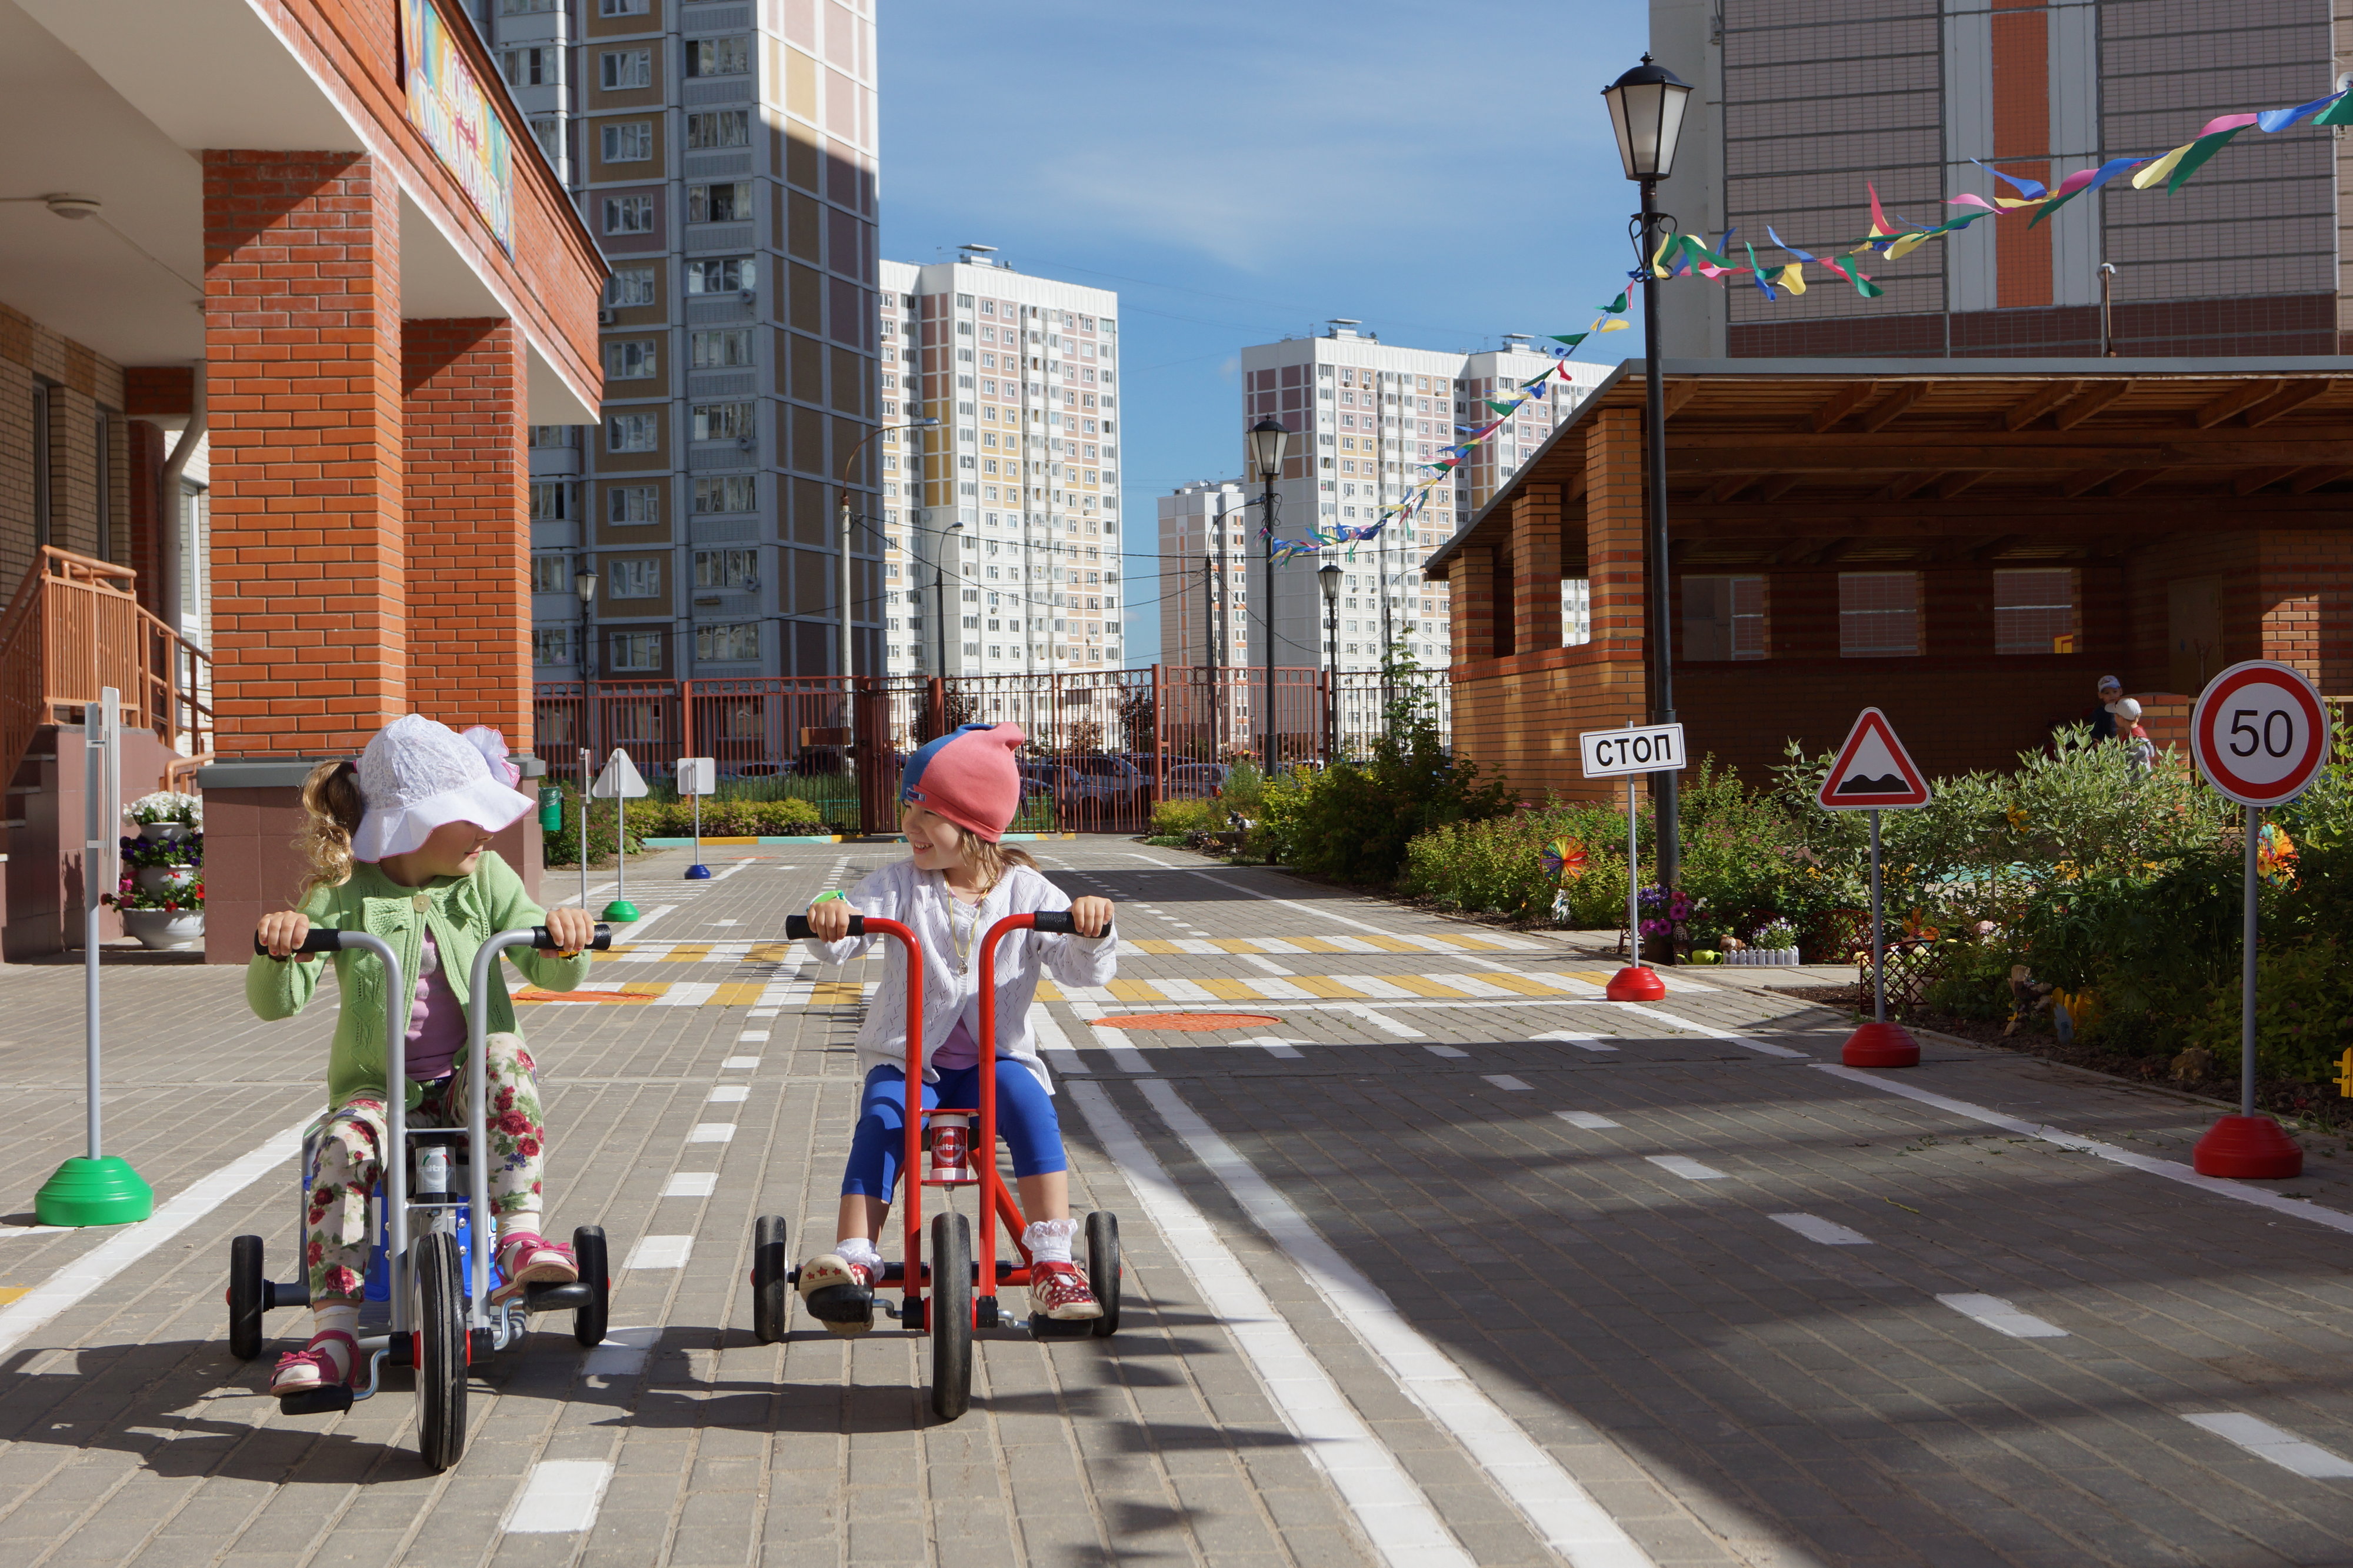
[
  {"x": 1880, "y": 1046},
  {"x": 2248, "y": 1149},
  {"x": 1635, "y": 983}
]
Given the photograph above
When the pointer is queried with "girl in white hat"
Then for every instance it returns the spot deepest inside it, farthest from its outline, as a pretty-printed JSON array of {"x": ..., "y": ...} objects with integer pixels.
[{"x": 398, "y": 846}]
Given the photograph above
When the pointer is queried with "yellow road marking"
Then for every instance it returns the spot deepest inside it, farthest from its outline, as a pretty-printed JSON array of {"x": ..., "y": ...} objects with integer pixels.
[
  {"x": 1049, "y": 992},
  {"x": 832, "y": 993},
  {"x": 1327, "y": 985},
  {"x": 12, "y": 1292},
  {"x": 1521, "y": 984},
  {"x": 1392, "y": 944},
  {"x": 1228, "y": 989},
  {"x": 1135, "y": 991},
  {"x": 1421, "y": 987}
]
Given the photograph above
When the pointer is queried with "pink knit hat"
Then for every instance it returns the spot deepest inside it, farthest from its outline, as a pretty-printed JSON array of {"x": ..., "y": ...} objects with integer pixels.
[{"x": 969, "y": 777}]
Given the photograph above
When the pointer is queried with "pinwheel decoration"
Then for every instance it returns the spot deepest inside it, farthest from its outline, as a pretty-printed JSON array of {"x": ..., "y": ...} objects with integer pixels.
[
  {"x": 1564, "y": 859},
  {"x": 2275, "y": 857}
]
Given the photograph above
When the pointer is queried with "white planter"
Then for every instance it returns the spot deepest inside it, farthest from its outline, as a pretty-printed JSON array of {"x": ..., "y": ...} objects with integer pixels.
[
  {"x": 164, "y": 832},
  {"x": 166, "y": 931},
  {"x": 164, "y": 879}
]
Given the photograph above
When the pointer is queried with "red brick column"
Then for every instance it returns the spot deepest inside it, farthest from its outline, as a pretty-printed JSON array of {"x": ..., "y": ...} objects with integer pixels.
[
  {"x": 2304, "y": 600},
  {"x": 302, "y": 349},
  {"x": 1613, "y": 531},
  {"x": 1471, "y": 602},
  {"x": 1536, "y": 568},
  {"x": 468, "y": 524}
]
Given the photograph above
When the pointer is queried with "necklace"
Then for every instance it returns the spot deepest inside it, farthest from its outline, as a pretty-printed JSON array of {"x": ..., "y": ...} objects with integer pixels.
[{"x": 963, "y": 941}]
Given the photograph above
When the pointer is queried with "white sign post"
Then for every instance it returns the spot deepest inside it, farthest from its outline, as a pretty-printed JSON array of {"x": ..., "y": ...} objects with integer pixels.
[
  {"x": 1633, "y": 752},
  {"x": 697, "y": 776},
  {"x": 620, "y": 784},
  {"x": 586, "y": 780},
  {"x": 1874, "y": 773},
  {"x": 2259, "y": 734}
]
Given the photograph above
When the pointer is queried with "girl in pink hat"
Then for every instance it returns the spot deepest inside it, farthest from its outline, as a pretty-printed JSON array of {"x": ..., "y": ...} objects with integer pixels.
[
  {"x": 399, "y": 845},
  {"x": 956, "y": 796}
]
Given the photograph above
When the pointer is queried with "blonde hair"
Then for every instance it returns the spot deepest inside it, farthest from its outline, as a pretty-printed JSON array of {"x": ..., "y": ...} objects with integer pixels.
[
  {"x": 331, "y": 810},
  {"x": 989, "y": 861}
]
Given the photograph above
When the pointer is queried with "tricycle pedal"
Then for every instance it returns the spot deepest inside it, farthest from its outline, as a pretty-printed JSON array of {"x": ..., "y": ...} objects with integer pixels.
[{"x": 327, "y": 1399}]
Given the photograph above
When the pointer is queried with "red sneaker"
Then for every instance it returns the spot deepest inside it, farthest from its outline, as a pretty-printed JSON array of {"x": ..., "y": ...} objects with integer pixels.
[{"x": 1061, "y": 1292}]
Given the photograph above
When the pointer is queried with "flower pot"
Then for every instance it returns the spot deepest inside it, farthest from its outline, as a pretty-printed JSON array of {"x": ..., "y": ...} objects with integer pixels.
[
  {"x": 162, "y": 880},
  {"x": 164, "y": 832},
  {"x": 166, "y": 931}
]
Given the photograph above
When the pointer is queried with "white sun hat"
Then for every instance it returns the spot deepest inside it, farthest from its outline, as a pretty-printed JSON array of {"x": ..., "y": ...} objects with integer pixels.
[{"x": 417, "y": 776}]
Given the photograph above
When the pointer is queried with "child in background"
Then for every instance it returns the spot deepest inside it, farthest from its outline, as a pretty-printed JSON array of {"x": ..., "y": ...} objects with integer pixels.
[
  {"x": 956, "y": 796},
  {"x": 2141, "y": 751},
  {"x": 398, "y": 846}
]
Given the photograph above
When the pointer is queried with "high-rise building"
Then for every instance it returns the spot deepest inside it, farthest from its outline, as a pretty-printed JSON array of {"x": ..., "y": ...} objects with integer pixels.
[
  {"x": 1001, "y": 518},
  {"x": 723, "y": 156},
  {"x": 1207, "y": 545},
  {"x": 1795, "y": 109},
  {"x": 1365, "y": 416}
]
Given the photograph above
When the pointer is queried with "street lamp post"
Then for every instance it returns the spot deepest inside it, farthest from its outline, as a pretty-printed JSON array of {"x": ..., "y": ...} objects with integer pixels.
[
  {"x": 1646, "y": 110},
  {"x": 1267, "y": 440},
  {"x": 1328, "y": 575},
  {"x": 584, "y": 582},
  {"x": 939, "y": 591},
  {"x": 849, "y": 667}
]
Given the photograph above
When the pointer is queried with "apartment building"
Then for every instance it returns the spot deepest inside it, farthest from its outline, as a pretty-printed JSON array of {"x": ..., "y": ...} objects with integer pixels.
[
  {"x": 724, "y": 155},
  {"x": 1797, "y": 106},
  {"x": 1000, "y": 518},
  {"x": 1208, "y": 545},
  {"x": 1365, "y": 416}
]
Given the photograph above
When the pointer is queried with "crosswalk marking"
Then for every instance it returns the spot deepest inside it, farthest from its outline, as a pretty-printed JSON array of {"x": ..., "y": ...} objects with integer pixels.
[
  {"x": 756, "y": 951},
  {"x": 1447, "y": 986}
]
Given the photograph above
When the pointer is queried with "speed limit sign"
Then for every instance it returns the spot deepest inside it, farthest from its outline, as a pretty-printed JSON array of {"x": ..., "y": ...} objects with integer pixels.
[{"x": 2260, "y": 732}]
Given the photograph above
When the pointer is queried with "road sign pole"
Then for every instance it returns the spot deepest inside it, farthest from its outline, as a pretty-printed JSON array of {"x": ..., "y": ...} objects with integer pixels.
[
  {"x": 584, "y": 804},
  {"x": 1878, "y": 936},
  {"x": 1633, "y": 884},
  {"x": 2247, "y": 974},
  {"x": 1638, "y": 981}
]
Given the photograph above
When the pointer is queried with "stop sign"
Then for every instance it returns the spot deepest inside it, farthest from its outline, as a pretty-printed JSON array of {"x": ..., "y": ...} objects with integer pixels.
[{"x": 2260, "y": 732}]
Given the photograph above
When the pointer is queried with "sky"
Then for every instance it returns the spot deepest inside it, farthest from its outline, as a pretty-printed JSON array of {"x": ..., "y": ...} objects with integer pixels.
[{"x": 1243, "y": 171}]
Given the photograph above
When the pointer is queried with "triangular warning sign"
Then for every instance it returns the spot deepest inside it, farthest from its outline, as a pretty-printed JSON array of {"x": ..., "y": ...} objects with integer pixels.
[
  {"x": 619, "y": 779},
  {"x": 1874, "y": 772}
]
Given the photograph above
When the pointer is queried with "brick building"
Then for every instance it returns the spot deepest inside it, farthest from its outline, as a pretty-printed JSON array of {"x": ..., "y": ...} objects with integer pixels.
[
  {"x": 314, "y": 231},
  {"x": 1968, "y": 546}
]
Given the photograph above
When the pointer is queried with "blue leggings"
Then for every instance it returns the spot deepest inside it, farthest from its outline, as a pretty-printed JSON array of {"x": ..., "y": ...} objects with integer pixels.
[{"x": 1025, "y": 1119}]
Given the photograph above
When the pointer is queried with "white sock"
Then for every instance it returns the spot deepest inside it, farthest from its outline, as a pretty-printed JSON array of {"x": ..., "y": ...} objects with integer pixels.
[
  {"x": 513, "y": 1225},
  {"x": 859, "y": 1250},
  {"x": 334, "y": 1319},
  {"x": 1048, "y": 1240}
]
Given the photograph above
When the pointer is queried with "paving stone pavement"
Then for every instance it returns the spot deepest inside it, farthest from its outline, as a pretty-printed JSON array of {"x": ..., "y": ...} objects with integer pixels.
[{"x": 1417, "y": 1271}]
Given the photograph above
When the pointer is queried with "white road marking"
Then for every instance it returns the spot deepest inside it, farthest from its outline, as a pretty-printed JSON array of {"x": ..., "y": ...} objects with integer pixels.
[
  {"x": 765, "y": 1012},
  {"x": 1124, "y": 1055},
  {"x": 661, "y": 1252},
  {"x": 1815, "y": 1228},
  {"x": 753, "y": 1035},
  {"x": 723, "y": 922},
  {"x": 1276, "y": 1044},
  {"x": 728, "y": 1094},
  {"x": 1268, "y": 964},
  {"x": 1586, "y": 1119},
  {"x": 1999, "y": 1315},
  {"x": 2282, "y": 1448},
  {"x": 622, "y": 1354},
  {"x": 636, "y": 927},
  {"x": 1571, "y": 1037},
  {"x": 739, "y": 1063},
  {"x": 1690, "y": 1170},
  {"x": 1563, "y": 1514},
  {"x": 72, "y": 1282},
  {"x": 744, "y": 864},
  {"x": 1377, "y": 1020},
  {"x": 691, "y": 1185},
  {"x": 1507, "y": 1081},
  {"x": 1445, "y": 1051},
  {"x": 1745, "y": 1042},
  {"x": 2171, "y": 1170},
  {"x": 1393, "y": 1511},
  {"x": 1051, "y": 1041},
  {"x": 710, "y": 1133},
  {"x": 560, "y": 1499}
]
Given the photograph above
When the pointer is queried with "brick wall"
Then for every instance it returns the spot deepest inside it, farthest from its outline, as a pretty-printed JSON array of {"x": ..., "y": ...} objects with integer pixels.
[
  {"x": 79, "y": 381},
  {"x": 302, "y": 336},
  {"x": 469, "y": 530}
]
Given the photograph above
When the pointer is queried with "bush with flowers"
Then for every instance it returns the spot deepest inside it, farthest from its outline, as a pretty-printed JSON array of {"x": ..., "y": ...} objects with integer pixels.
[{"x": 176, "y": 881}]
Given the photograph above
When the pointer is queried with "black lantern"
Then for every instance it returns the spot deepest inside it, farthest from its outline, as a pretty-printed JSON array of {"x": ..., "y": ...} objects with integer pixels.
[
  {"x": 1646, "y": 110},
  {"x": 1268, "y": 439}
]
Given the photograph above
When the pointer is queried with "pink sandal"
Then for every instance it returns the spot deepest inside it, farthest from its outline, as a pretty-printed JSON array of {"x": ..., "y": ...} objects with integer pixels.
[
  {"x": 526, "y": 1257},
  {"x": 312, "y": 1367}
]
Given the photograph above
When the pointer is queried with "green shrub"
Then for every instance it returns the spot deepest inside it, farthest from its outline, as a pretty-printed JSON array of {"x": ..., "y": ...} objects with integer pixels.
[
  {"x": 1495, "y": 866},
  {"x": 722, "y": 818},
  {"x": 1176, "y": 818},
  {"x": 563, "y": 846}
]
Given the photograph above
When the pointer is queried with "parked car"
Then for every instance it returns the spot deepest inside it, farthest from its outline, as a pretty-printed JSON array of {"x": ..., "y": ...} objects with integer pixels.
[
  {"x": 1193, "y": 781},
  {"x": 1108, "y": 784}
]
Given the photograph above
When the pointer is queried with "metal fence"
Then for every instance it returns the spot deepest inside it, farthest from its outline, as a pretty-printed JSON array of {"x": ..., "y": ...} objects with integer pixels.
[{"x": 1105, "y": 747}]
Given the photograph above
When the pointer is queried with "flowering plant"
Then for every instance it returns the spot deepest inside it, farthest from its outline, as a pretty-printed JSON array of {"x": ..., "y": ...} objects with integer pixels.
[
  {"x": 165, "y": 806},
  {"x": 1665, "y": 913},
  {"x": 1776, "y": 936},
  {"x": 129, "y": 895}
]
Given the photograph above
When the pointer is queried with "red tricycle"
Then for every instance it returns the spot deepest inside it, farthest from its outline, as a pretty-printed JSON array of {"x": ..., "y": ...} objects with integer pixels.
[{"x": 960, "y": 1301}]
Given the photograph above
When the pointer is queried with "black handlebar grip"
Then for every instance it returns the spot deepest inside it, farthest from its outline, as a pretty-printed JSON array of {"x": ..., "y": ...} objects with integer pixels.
[
  {"x": 797, "y": 927},
  {"x": 322, "y": 939},
  {"x": 597, "y": 944},
  {"x": 1059, "y": 923}
]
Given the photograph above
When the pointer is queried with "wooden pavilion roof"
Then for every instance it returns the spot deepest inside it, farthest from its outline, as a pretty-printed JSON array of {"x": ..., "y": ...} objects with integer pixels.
[{"x": 1806, "y": 462}]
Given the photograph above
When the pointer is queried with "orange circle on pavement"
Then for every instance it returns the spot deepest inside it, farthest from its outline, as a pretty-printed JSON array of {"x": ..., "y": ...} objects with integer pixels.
[{"x": 1188, "y": 1021}]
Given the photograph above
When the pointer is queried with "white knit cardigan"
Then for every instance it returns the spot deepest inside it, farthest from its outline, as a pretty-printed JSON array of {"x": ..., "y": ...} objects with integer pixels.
[{"x": 921, "y": 901}]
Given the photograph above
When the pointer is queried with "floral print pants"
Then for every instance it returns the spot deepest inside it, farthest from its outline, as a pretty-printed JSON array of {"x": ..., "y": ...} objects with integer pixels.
[{"x": 347, "y": 1162}]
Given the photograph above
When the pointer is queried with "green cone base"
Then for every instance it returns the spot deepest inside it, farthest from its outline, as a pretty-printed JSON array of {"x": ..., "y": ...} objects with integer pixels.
[
  {"x": 94, "y": 1192},
  {"x": 619, "y": 909}
]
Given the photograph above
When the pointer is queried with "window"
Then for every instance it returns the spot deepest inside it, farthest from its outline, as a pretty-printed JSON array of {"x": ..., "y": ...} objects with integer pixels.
[
  {"x": 720, "y": 349},
  {"x": 633, "y": 504},
  {"x": 719, "y": 203},
  {"x": 628, "y": 140},
  {"x": 630, "y": 286},
  {"x": 531, "y": 68},
  {"x": 1879, "y": 615},
  {"x": 2034, "y": 612},
  {"x": 729, "y": 492},
  {"x": 551, "y": 574},
  {"x": 548, "y": 131},
  {"x": 718, "y": 128},
  {"x": 638, "y": 651},
  {"x": 621, "y": 7},
  {"x": 620, "y": 69},
  {"x": 525, "y": 7},
  {"x": 722, "y": 277},
  {"x": 554, "y": 435},
  {"x": 551, "y": 646},
  {"x": 719, "y": 56},
  {"x": 721, "y": 421},
  {"x": 632, "y": 579},
  {"x": 550, "y": 502},
  {"x": 738, "y": 641},
  {"x": 629, "y": 359},
  {"x": 1724, "y": 618},
  {"x": 726, "y": 568},
  {"x": 628, "y": 214},
  {"x": 632, "y": 433}
]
